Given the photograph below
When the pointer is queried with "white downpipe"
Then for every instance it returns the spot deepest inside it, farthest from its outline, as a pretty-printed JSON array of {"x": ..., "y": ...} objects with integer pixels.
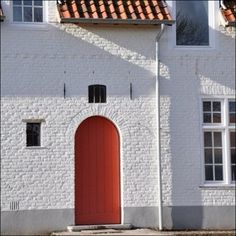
[
  {"x": 222, "y": 4},
  {"x": 158, "y": 139}
]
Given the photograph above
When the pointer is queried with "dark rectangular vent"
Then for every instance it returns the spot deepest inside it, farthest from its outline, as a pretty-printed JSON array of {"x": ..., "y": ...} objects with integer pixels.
[{"x": 14, "y": 205}]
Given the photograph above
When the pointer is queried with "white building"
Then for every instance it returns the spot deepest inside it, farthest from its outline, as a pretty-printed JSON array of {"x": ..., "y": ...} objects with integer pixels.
[{"x": 72, "y": 153}]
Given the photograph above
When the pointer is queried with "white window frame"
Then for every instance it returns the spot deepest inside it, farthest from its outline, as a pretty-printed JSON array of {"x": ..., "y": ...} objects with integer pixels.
[
  {"x": 45, "y": 16},
  {"x": 42, "y": 124},
  {"x": 225, "y": 128},
  {"x": 223, "y": 155},
  {"x": 213, "y": 8}
]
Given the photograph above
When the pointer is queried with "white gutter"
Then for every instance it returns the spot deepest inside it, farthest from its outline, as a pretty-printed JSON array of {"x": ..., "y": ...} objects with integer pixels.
[
  {"x": 115, "y": 21},
  {"x": 158, "y": 139}
]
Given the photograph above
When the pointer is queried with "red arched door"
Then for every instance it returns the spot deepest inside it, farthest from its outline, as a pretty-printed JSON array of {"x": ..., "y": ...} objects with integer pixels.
[{"x": 97, "y": 172}]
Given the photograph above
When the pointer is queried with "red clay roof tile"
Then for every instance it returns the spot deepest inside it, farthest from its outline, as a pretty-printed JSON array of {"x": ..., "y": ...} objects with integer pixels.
[
  {"x": 229, "y": 14},
  {"x": 151, "y": 10}
]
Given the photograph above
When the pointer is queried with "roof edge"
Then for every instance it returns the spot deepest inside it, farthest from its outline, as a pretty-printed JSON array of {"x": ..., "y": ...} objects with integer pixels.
[{"x": 117, "y": 21}]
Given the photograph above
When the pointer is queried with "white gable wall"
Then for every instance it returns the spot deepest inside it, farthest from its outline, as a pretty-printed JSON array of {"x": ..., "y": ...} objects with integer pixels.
[
  {"x": 34, "y": 90},
  {"x": 36, "y": 62}
]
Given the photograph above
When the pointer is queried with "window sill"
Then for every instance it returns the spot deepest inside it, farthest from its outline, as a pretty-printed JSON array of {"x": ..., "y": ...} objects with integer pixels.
[
  {"x": 35, "y": 148},
  {"x": 195, "y": 48},
  {"x": 29, "y": 26},
  {"x": 218, "y": 186}
]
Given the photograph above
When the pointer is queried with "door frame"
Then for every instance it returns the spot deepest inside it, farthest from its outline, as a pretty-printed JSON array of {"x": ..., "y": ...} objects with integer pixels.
[{"x": 120, "y": 161}]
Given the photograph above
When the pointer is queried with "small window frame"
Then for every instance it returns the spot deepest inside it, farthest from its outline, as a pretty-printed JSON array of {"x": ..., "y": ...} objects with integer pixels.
[
  {"x": 97, "y": 93},
  {"x": 212, "y": 112},
  {"x": 30, "y": 23},
  {"x": 213, "y": 8},
  {"x": 214, "y": 148},
  {"x": 35, "y": 141}
]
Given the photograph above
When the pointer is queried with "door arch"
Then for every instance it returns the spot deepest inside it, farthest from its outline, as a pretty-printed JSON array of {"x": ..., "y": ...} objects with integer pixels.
[{"x": 97, "y": 172}]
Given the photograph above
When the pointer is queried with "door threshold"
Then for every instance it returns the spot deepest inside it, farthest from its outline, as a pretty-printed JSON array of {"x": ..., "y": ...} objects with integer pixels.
[{"x": 74, "y": 228}]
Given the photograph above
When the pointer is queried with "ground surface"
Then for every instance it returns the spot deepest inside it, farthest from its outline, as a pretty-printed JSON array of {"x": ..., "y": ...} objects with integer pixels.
[{"x": 114, "y": 232}]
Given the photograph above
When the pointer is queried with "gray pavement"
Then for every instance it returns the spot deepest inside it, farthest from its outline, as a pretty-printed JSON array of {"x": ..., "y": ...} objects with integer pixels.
[{"x": 107, "y": 232}]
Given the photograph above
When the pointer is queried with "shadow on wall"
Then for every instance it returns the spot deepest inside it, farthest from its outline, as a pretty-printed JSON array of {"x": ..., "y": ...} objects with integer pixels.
[
  {"x": 192, "y": 74},
  {"x": 86, "y": 58}
]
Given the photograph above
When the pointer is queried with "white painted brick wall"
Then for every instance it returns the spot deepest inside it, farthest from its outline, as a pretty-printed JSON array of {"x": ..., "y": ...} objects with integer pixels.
[
  {"x": 37, "y": 61},
  {"x": 34, "y": 71},
  {"x": 42, "y": 178}
]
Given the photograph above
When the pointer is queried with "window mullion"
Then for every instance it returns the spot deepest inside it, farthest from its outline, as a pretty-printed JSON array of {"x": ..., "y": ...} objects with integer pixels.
[
  {"x": 99, "y": 94},
  {"x": 211, "y": 112},
  {"x": 32, "y": 11},
  {"x": 226, "y": 143},
  {"x": 213, "y": 155},
  {"x": 22, "y": 11},
  {"x": 94, "y": 97}
]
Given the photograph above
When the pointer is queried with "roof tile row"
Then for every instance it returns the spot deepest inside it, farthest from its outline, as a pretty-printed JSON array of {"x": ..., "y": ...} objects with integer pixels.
[
  {"x": 229, "y": 13},
  {"x": 115, "y": 9}
]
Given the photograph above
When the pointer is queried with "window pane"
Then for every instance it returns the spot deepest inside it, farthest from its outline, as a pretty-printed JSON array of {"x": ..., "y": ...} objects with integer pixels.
[
  {"x": 233, "y": 172},
  {"x": 232, "y": 139},
  {"x": 206, "y": 106},
  {"x": 27, "y": 2},
  {"x": 209, "y": 172},
  {"x": 218, "y": 156},
  {"x": 217, "y": 139},
  {"x": 232, "y": 118},
  {"x": 38, "y": 2},
  {"x": 208, "y": 156},
  {"x": 218, "y": 172},
  {"x": 216, "y": 106},
  {"x": 97, "y": 94},
  {"x": 91, "y": 94},
  {"x": 17, "y": 2},
  {"x": 38, "y": 14},
  {"x": 103, "y": 93},
  {"x": 207, "y": 117},
  {"x": 17, "y": 14},
  {"x": 192, "y": 23},
  {"x": 216, "y": 117},
  {"x": 232, "y": 112},
  {"x": 27, "y": 14},
  {"x": 33, "y": 134},
  {"x": 232, "y": 106},
  {"x": 207, "y": 139},
  {"x": 233, "y": 156}
]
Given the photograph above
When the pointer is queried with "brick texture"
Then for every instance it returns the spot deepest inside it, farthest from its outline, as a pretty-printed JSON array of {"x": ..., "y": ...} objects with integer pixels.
[{"x": 34, "y": 71}]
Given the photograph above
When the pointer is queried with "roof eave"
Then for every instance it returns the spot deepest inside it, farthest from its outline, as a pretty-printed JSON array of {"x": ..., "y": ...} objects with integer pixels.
[{"x": 117, "y": 21}]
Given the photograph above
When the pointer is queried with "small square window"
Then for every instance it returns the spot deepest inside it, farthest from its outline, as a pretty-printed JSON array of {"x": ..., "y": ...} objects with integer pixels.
[
  {"x": 28, "y": 11},
  {"x": 97, "y": 94},
  {"x": 33, "y": 131}
]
